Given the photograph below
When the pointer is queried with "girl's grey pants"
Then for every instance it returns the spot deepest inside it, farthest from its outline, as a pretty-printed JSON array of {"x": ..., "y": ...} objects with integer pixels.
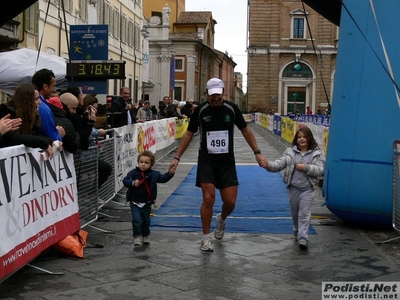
[{"x": 300, "y": 206}]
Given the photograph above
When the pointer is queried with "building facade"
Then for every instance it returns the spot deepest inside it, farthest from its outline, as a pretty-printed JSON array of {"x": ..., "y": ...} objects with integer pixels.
[
  {"x": 45, "y": 26},
  {"x": 240, "y": 97},
  {"x": 184, "y": 39},
  {"x": 291, "y": 57}
]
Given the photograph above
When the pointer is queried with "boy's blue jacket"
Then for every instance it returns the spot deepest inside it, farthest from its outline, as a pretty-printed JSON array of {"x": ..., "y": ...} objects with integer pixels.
[{"x": 139, "y": 194}]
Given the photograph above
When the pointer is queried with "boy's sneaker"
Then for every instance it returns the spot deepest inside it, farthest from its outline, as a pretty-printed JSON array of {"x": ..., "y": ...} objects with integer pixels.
[
  {"x": 220, "y": 228},
  {"x": 138, "y": 241},
  {"x": 303, "y": 244},
  {"x": 295, "y": 233},
  {"x": 206, "y": 245},
  {"x": 146, "y": 240}
]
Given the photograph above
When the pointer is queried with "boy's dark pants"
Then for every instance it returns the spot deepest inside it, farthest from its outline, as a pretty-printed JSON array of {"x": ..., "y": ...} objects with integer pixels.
[{"x": 140, "y": 219}]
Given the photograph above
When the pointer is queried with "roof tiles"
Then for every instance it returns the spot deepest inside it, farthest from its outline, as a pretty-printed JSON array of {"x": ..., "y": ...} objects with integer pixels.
[{"x": 194, "y": 17}]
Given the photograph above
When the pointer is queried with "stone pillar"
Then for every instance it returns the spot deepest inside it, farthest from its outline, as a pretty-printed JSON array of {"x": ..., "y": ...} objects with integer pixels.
[
  {"x": 190, "y": 77},
  {"x": 165, "y": 69}
]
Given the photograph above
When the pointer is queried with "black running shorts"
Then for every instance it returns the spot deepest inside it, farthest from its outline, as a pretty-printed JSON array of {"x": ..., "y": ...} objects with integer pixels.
[{"x": 221, "y": 177}]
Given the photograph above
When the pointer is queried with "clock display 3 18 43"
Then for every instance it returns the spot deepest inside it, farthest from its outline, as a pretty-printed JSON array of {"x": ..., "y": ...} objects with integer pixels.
[{"x": 110, "y": 69}]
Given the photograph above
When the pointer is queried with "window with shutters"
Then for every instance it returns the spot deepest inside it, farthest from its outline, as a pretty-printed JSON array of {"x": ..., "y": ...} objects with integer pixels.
[
  {"x": 31, "y": 16},
  {"x": 298, "y": 24}
]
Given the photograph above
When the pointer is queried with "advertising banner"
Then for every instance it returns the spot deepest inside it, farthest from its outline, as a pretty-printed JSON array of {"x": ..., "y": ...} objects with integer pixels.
[
  {"x": 271, "y": 122},
  {"x": 326, "y": 135},
  {"x": 277, "y": 125},
  {"x": 264, "y": 121},
  {"x": 289, "y": 128},
  {"x": 181, "y": 126},
  {"x": 248, "y": 117},
  {"x": 132, "y": 139},
  {"x": 126, "y": 150},
  {"x": 38, "y": 204},
  {"x": 146, "y": 136}
]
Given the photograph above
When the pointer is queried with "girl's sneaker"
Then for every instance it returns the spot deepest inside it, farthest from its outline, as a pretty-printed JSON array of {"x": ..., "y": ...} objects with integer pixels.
[{"x": 303, "y": 244}]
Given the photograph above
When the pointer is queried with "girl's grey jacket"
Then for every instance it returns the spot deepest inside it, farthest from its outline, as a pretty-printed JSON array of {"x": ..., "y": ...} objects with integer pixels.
[{"x": 314, "y": 169}]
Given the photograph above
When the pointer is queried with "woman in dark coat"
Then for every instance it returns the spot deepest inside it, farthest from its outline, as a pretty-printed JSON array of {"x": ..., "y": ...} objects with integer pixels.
[{"x": 24, "y": 105}]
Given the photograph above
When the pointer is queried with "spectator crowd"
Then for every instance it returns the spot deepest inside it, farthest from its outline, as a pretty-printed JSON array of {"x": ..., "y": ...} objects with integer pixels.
[{"x": 38, "y": 115}]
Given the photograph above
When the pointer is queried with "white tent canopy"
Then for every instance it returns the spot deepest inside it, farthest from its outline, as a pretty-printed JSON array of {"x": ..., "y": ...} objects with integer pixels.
[{"x": 18, "y": 66}]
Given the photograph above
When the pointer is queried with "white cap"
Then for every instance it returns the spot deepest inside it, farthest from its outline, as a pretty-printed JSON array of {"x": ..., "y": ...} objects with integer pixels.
[{"x": 215, "y": 86}]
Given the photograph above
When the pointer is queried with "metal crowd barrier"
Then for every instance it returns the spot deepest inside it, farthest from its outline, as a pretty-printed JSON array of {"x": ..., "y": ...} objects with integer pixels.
[
  {"x": 86, "y": 165},
  {"x": 396, "y": 192},
  {"x": 396, "y": 186},
  {"x": 106, "y": 153},
  {"x": 90, "y": 198}
]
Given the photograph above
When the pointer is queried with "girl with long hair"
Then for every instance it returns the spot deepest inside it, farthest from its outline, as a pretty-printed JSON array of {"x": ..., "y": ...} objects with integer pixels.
[
  {"x": 24, "y": 105},
  {"x": 303, "y": 163}
]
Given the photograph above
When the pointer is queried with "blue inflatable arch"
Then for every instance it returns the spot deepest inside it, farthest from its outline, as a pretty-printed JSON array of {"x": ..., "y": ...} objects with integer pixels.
[{"x": 365, "y": 116}]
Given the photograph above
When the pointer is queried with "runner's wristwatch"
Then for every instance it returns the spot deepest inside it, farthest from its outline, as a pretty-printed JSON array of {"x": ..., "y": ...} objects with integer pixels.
[{"x": 257, "y": 152}]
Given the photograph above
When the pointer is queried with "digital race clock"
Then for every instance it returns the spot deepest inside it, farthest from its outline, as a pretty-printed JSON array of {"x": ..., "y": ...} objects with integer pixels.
[{"x": 102, "y": 69}]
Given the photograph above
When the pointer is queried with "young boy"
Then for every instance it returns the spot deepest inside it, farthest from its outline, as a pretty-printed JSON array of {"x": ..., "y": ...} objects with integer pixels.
[{"x": 142, "y": 193}]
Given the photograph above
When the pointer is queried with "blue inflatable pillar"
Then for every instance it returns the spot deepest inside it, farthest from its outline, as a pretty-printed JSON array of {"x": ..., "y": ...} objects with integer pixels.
[{"x": 365, "y": 116}]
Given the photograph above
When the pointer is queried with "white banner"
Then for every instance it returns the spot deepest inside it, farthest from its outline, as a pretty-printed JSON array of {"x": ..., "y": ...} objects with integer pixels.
[
  {"x": 270, "y": 122},
  {"x": 165, "y": 132},
  {"x": 133, "y": 139},
  {"x": 126, "y": 150},
  {"x": 38, "y": 204}
]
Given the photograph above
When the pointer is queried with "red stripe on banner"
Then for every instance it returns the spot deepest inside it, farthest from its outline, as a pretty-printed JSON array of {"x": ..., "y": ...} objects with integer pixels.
[{"x": 26, "y": 251}]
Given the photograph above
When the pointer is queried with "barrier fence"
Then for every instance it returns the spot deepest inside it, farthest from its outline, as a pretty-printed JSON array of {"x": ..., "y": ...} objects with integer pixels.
[
  {"x": 42, "y": 202},
  {"x": 86, "y": 165},
  {"x": 106, "y": 153},
  {"x": 285, "y": 127},
  {"x": 396, "y": 186}
]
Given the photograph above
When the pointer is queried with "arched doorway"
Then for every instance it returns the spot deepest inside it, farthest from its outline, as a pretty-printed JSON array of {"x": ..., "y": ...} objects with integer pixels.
[{"x": 297, "y": 85}]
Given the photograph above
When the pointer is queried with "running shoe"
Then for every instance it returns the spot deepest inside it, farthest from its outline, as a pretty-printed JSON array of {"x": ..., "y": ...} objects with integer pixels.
[
  {"x": 220, "y": 228},
  {"x": 206, "y": 245}
]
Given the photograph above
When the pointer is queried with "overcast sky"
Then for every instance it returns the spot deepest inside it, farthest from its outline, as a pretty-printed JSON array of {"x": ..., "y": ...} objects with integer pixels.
[{"x": 230, "y": 31}]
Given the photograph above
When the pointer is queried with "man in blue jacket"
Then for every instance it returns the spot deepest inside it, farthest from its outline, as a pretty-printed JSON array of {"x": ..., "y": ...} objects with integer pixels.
[{"x": 44, "y": 81}]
